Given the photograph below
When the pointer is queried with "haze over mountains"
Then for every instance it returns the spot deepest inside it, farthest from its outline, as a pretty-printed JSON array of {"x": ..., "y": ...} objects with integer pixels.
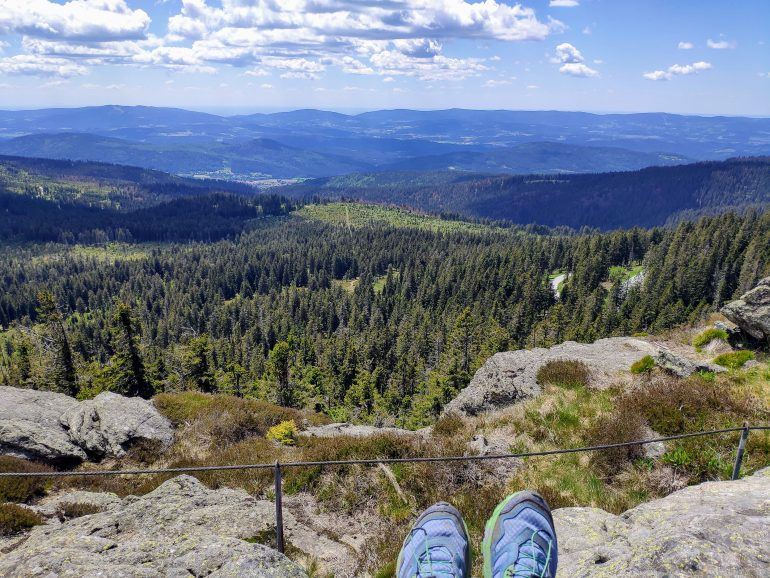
[{"x": 312, "y": 143}]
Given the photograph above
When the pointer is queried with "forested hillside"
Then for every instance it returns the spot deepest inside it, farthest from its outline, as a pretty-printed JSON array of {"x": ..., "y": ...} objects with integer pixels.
[
  {"x": 62, "y": 201},
  {"x": 375, "y": 322},
  {"x": 102, "y": 184},
  {"x": 645, "y": 198}
]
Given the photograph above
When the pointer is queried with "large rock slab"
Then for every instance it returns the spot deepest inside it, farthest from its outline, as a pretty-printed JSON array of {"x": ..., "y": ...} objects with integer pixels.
[
  {"x": 109, "y": 424},
  {"x": 509, "y": 377},
  {"x": 752, "y": 311},
  {"x": 713, "y": 529},
  {"x": 180, "y": 529},
  {"x": 56, "y": 428},
  {"x": 30, "y": 427},
  {"x": 682, "y": 366}
]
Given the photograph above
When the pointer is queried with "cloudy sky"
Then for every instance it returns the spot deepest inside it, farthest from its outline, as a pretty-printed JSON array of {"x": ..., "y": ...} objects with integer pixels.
[{"x": 687, "y": 56}]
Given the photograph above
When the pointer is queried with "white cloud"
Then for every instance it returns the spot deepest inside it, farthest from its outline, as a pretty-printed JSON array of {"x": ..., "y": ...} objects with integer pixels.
[
  {"x": 677, "y": 70},
  {"x": 567, "y": 53},
  {"x": 532, "y": 87},
  {"x": 256, "y": 72},
  {"x": 587, "y": 30},
  {"x": 294, "y": 75},
  {"x": 578, "y": 69},
  {"x": 720, "y": 44},
  {"x": 492, "y": 83},
  {"x": 685, "y": 45},
  {"x": 32, "y": 64},
  {"x": 81, "y": 20},
  {"x": 266, "y": 86},
  {"x": 572, "y": 62},
  {"x": 563, "y": 3},
  {"x": 495, "y": 58}
]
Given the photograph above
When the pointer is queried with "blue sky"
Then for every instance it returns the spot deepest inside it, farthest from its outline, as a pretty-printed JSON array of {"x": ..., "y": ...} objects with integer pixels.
[{"x": 684, "y": 56}]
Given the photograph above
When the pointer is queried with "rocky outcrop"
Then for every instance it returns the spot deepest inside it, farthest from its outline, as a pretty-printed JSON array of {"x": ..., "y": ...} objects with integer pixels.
[
  {"x": 682, "y": 366},
  {"x": 509, "y": 377},
  {"x": 713, "y": 529},
  {"x": 180, "y": 529},
  {"x": 110, "y": 423},
  {"x": 59, "y": 429},
  {"x": 752, "y": 311},
  {"x": 30, "y": 426}
]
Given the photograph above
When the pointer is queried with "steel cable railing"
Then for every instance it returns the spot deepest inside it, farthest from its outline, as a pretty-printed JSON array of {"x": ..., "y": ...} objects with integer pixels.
[{"x": 278, "y": 466}]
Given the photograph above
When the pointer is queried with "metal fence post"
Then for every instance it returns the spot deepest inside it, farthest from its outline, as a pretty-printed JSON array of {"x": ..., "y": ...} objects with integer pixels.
[
  {"x": 278, "y": 508},
  {"x": 741, "y": 450}
]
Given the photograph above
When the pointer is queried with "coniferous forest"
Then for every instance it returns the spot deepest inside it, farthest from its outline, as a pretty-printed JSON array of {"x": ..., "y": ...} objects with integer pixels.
[{"x": 380, "y": 321}]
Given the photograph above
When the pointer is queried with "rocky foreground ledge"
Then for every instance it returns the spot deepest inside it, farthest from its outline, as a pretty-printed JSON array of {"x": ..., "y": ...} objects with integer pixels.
[
  {"x": 713, "y": 529},
  {"x": 185, "y": 529}
]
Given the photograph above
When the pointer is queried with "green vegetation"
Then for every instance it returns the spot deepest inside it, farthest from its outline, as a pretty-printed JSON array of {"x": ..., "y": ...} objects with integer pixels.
[
  {"x": 360, "y": 215},
  {"x": 15, "y": 519},
  {"x": 284, "y": 433},
  {"x": 734, "y": 359},
  {"x": 707, "y": 336},
  {"x": 645, "y": 365},
  {"x": 366, "y": 324},
  {"x": 620, "y": 273},
  {"x": 567, "y": 373}
]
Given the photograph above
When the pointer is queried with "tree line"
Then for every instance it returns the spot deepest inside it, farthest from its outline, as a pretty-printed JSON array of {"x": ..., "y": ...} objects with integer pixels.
[{"x": 376, "y": 324}]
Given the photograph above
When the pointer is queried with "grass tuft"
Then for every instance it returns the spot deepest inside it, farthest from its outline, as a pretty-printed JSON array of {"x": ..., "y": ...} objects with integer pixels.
[
  {"x": 567, "y": 373},
  {"x": 645, "y": 365},
  {"x": 734, "y": 359},
  {"x": 708, "y": 336}
]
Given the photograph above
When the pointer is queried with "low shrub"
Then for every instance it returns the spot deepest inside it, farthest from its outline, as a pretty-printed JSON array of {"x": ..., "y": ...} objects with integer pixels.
[
  {"x": 645, "y": 365},
  {"x": 284, "y": 433},
  {"x": 673, "y": 406},
  {"x": 70, "y": 510},
  {"x": 20, "y": 489},
  {"x": 708, "y": 336},
  {"x": 227, "y": 419},
  {"x": 615, "y": 428},
  {"x": 567, "y": 373},
  {"x": 448, "y": 425},
  {"x": 15, "y": 519},
  {"x": 734, "y": 359}
]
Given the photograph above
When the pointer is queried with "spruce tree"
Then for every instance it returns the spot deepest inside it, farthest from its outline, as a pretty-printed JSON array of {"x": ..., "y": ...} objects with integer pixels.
[
  {"x": 127, "y": 371},
  {"x": 63, "y": 376}
]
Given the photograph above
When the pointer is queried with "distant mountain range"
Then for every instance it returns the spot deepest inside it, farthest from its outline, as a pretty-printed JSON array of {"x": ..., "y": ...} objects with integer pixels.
[
  {"x": 645, "y": 198},
  {"x": 312, "y": 143}
]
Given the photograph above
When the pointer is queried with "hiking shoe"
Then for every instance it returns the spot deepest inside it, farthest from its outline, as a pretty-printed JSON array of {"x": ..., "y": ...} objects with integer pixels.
[
  {"x": 520, "y": 540},
  {"x": 437, "y": 546}
]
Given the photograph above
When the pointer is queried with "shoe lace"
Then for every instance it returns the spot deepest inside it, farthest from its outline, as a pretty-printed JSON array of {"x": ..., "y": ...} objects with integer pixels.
[
  {"x": 426, "y": 567},
  {"x": 530, "y": 553}
]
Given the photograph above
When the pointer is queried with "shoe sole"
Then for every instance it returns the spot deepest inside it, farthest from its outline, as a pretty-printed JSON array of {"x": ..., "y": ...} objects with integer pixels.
[
  {"x": 503, "y": 507},
  {"x": 441, "y": 508}
]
